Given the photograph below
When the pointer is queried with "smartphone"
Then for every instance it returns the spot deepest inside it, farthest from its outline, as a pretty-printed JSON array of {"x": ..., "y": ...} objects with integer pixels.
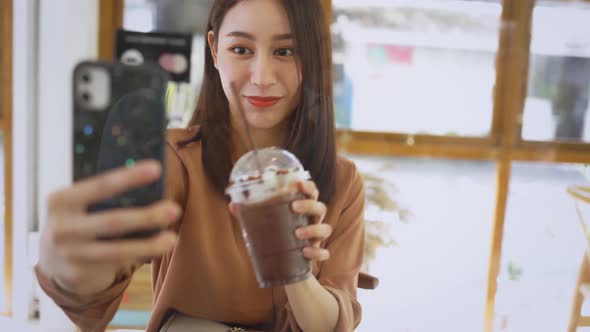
[{"x": 119, "y": 119}]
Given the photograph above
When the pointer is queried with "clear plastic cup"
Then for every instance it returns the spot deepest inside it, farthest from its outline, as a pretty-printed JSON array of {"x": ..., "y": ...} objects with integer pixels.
[{"x": 267, "y": 221}]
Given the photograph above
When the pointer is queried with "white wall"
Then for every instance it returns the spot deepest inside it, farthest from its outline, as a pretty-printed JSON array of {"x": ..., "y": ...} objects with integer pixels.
[{"x": 23, "y": 159}]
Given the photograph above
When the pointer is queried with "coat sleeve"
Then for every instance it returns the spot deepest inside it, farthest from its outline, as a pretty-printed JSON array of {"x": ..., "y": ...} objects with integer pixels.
[{"x": 339, "y": 274}]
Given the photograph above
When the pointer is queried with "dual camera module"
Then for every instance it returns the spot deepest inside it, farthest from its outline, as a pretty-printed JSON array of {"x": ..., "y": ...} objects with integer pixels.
[
  {"x": 92, "y": 87},
  {"x": 86, "y": 96}
]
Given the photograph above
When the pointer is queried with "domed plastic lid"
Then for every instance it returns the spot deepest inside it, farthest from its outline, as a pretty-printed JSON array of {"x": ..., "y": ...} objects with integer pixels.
[{"x": 280, "y": 167}]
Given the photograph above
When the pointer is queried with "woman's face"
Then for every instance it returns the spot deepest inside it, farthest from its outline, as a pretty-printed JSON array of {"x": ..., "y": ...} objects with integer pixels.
[{"x": 256, "y": 51}]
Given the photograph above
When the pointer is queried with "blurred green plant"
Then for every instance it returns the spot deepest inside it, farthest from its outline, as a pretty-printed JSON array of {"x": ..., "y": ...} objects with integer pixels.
[
  {"x": 514, "y": 271},
  {"x": 380, "y": 193}
]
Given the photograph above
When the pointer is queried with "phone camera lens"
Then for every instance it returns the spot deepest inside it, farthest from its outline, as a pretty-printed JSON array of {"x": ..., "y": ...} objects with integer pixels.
[
  {"x": 86, "y": 97},
  {"x": 86, "y": 77}
]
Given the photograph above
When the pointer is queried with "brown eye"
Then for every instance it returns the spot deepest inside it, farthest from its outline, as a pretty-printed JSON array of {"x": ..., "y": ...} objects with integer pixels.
[
  {"x": 241, "y": 50},
  {"x": 285, "y": 52}
]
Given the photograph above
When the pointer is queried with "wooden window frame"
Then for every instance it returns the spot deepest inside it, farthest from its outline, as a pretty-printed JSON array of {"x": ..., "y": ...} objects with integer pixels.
[
  {"x": 503, "y": 146},
  {"x": 110, "y": 18},
  {"x": 6, "y": 19}
]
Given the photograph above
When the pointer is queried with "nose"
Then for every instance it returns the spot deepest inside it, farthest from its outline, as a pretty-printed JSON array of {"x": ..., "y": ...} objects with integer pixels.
[{"x": 262, "y": 72}]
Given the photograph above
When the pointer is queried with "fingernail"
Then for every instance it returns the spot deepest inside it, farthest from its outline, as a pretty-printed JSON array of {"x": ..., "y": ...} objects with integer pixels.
[
  {"x": 299, "y": 233},
  {"x": 152, "y": 168},
  {"x": 296, "y": 205},
  {"x": 174, "y": 212}
]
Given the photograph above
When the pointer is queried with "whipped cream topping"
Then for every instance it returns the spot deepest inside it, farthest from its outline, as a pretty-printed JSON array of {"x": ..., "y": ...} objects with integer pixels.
[{"x": 255, "y": 189}]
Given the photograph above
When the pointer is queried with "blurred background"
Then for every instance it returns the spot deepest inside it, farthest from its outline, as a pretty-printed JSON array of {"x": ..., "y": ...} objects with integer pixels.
[{"x": 469, "y": 120}]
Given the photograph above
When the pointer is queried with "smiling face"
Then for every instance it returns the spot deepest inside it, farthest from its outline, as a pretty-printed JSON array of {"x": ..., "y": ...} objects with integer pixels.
[
  {"x": 261, "y": 61},
  {"x": 255, "y": 51}
]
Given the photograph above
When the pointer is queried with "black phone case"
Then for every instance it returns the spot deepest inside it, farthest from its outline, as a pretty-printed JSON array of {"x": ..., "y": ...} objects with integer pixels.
[{"x": 130, "y": 129}]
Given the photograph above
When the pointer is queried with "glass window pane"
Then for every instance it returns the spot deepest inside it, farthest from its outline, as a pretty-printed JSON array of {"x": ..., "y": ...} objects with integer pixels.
[
  {"x": 416, "y": 66},
  {"x": 542, "y": 248},
  {"x": 559, "y": 73},
  {"x": 431, "y": 260}
]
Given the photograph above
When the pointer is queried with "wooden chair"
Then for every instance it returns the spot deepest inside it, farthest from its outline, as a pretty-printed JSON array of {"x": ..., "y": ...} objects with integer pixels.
[
  {"x": 367, "y": 281},
  {"x": 581, "y": 196}
]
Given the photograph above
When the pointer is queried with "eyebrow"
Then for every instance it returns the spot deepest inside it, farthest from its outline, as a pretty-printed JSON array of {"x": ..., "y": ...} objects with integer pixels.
[{"x": 241, "y": 34}]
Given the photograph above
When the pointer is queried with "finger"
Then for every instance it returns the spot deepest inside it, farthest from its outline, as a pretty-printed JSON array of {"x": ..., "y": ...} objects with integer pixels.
[
  {"x": 109, "y": 184},
  {"x": 316, "y": 232},
  {"x": 119, "y": 251},
  {"x": 113, "y": 223},
  {"x": 233, "y": 209},
  {"x": 316, "y": 254},
  {"x": 310, "y": 189},
  {"x": 310, "y": 207}
]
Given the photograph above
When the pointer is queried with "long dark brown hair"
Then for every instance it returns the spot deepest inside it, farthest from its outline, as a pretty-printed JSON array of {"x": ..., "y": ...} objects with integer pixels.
[{"x": 311, "y": 131}]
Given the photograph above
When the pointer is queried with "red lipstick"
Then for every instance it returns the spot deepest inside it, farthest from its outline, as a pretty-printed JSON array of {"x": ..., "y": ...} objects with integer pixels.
[{"x": 263, "y": 102}]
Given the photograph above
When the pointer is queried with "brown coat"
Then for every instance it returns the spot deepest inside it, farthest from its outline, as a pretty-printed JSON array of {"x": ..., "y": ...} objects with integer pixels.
[{"x": 209, "y": 274}]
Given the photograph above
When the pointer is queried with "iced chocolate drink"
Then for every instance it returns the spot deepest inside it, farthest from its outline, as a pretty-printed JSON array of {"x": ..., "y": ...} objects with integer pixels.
[{"x": 264, "y": 212}]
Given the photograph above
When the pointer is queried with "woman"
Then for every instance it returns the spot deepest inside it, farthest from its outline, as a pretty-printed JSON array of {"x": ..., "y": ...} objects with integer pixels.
[{"x": 277, "y": 55}]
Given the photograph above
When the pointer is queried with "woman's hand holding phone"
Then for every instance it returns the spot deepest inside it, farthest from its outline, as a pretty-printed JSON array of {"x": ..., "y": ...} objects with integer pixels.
[{"x": 72, "y": 252}]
